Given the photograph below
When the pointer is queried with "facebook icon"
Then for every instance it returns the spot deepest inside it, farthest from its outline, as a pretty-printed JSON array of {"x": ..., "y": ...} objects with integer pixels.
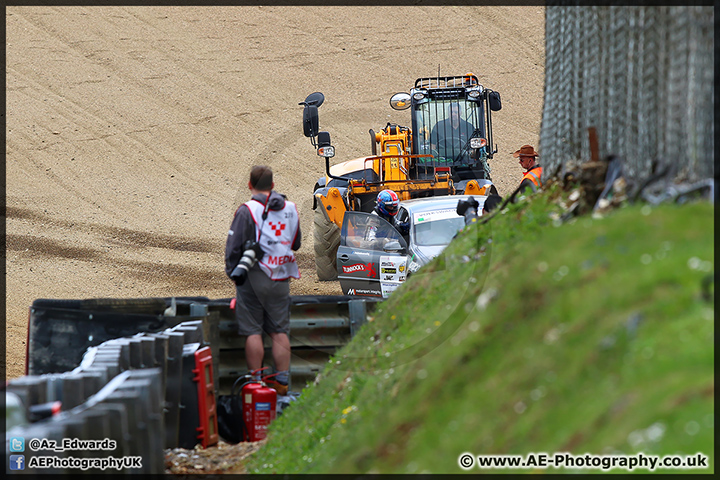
[{"x": 17, "y": 462}]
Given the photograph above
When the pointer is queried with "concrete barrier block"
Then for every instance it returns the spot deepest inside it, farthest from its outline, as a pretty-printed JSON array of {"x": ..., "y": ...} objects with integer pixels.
[
  {"x": 108, "y": 365},
  {"x": 32, "y": 389},
  {"x": 193, "y": 333},
  {"x": 136, "y": 353},
  {"x": 173, "y": 388},
  {"x": 121, "y": 348},
  {"x": 93, "y": 382},
  {"x": 161, "y": 354},
  {"x": 135, "y": 405},
  {"x": 73, "y": 391},
  {"x": 154, "y": 420},
  {"x": 148, "y": 350},
  {"x": 75, "y": 426},
  {"x": 97, "y": 427},
  {"x": 117, "y": 428}
]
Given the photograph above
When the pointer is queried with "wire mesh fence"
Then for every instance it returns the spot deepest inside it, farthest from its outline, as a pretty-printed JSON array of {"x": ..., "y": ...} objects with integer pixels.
[{"x": 642, "y": 76}]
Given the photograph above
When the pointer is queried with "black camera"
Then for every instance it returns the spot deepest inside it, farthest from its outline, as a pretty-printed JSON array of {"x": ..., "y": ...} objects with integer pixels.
[
  {"x": 251, "y": 255},
  {"x": 468, "y": 209}
]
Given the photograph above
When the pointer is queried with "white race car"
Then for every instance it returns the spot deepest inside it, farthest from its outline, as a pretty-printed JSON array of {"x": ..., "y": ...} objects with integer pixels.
[{"x": 374, "y": 258}]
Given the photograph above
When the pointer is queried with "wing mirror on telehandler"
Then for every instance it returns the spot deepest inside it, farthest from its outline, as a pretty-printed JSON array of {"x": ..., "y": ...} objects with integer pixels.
[
  {"x": 310, "y": 121},
  {"x": 310, "y": 114},
  {"x": 400, "y": 101},
  {"x": 493, "y": 104},
  {"x": 311, "y": 126},
  {"x": 494, "y": 101}
]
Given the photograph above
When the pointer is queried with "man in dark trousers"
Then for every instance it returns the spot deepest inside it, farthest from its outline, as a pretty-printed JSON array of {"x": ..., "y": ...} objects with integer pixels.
[{"x": 268, "y": 226}]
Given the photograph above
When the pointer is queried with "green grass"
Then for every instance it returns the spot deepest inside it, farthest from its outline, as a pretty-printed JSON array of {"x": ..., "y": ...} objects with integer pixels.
[{"x": 525, "y": 336}]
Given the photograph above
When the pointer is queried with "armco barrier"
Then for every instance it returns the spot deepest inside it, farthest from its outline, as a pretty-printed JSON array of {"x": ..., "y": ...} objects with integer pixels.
[{"x": 319, "y": 326}]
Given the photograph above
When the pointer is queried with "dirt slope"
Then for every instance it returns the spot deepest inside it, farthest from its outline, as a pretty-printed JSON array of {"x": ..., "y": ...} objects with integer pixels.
[{"x": 131, "y": 130}]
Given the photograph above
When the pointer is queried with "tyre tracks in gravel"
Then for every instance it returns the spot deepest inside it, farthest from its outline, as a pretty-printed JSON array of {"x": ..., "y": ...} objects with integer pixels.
[
  {"x": 113, "y": 246},
  {"x": 139, "y": 139}
]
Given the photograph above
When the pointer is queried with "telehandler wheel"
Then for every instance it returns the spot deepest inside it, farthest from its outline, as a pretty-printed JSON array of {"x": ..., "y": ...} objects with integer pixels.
[{"x": 327, "y": 240}]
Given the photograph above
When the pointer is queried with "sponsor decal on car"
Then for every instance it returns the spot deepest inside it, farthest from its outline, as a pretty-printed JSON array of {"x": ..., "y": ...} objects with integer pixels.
[
  {"x": 372, "y": 273},
  {"x": 362, "y": 254},
  {"x": 361, "y": 267},
  {"x": 358, "y": 291},
  {"x": 391, "y": 278},
  {"x": 435, "y": 215},
  {"x": 358, "y": 267},
  {"x": 389, "y": 287}
]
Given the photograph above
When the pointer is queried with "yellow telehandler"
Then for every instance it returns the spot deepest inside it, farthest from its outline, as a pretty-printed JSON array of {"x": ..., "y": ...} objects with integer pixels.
[{"x": 445, "y": 151}]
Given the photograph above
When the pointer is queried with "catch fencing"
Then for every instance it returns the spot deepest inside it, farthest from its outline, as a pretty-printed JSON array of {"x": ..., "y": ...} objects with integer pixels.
[{"x": 642, "y": 76}]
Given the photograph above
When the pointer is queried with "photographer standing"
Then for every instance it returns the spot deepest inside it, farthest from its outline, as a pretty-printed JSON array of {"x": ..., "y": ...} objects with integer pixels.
[{"x": 259, "y": 259}]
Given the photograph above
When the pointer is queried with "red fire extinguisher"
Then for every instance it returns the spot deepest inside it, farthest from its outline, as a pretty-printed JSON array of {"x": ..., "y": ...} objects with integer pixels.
[{"x": 259, "y": 403}]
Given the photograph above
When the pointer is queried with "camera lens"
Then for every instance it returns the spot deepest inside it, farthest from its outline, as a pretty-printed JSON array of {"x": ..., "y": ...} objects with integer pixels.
[{"x": 239, "y": 274}]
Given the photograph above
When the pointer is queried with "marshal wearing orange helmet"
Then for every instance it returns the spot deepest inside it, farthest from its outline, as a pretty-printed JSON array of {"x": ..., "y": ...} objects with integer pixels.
[{"x": 533, "y": 171}]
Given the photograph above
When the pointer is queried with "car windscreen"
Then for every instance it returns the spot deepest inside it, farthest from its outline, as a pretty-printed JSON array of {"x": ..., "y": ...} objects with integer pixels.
[
  {"x": 437, "y": 227},
  {"x": 365, "y": 230},
  {"x": 443, "y": 134}
]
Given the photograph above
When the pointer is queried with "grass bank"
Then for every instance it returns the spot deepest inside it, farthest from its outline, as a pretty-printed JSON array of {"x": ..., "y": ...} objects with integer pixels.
[{"x": 594, "y": 336}]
